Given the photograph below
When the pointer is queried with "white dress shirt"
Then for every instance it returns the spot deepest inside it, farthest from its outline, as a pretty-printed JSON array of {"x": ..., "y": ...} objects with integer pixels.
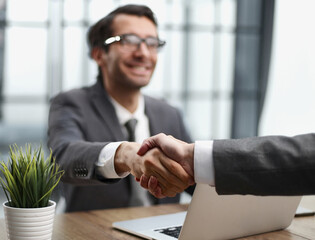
[{"x": 203, "y": 162}]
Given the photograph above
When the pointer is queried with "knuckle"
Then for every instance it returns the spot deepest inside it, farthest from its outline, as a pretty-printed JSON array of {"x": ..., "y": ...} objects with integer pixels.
[
  {"x": 186, "y": 179},
  {"x": 172, "y": 194},
  {"x": 148, "y": 162},
  {"x": 173, "y": 166},
  {"x": 155, "y": 152},
  {"x": 143, "y": 185}
]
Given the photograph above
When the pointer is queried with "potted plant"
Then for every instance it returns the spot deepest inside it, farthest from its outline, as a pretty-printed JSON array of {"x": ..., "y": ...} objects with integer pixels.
[{"x": 28, "y": 180}]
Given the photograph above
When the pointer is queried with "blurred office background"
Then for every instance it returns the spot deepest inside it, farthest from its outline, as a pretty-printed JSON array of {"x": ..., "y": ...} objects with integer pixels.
[{"x": 235, "y": 68}]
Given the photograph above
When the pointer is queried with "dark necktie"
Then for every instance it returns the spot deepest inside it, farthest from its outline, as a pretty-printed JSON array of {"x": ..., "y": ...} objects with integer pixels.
[{"x": 131, "y": 126}]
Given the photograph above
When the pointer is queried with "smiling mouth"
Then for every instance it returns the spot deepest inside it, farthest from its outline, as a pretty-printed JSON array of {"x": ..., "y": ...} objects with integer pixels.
[{"x": 141, "y": 70}]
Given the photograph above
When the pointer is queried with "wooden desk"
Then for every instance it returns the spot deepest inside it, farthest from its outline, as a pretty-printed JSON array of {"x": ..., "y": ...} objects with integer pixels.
[{"x": 97, "y": 224}]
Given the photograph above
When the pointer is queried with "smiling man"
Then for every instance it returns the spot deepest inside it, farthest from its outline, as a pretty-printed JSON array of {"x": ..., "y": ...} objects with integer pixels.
[{"x": 90, "y": 129}]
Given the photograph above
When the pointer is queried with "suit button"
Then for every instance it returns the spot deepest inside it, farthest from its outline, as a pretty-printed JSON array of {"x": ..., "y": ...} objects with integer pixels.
[{"x": 81, "y": 172}]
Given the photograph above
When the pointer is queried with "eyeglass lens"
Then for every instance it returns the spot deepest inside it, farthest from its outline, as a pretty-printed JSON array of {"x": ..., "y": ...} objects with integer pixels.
[{"x": 132, "y": 42}]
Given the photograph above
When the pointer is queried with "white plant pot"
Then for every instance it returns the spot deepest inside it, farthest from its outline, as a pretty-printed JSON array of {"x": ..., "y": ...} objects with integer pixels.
[{"x": 29, "y": 223}]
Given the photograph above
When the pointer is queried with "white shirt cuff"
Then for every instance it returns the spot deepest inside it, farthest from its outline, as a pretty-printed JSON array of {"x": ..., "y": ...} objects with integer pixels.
[
  {"x": 203, "y": 162},
  {"x": 106, "y": 159}
]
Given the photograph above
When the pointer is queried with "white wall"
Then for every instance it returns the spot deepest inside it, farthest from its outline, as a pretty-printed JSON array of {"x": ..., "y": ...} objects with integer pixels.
[{"x": 290, "y": 102}]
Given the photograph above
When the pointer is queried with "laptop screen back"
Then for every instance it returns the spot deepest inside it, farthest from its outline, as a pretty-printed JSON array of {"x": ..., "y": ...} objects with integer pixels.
[{"x": 211, "y": 216}]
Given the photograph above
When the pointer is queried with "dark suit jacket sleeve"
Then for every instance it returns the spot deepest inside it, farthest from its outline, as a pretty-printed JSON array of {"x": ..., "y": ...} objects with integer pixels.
[
  {"x": 274, "y": 165},
  {"x": 66, "y": 136}
]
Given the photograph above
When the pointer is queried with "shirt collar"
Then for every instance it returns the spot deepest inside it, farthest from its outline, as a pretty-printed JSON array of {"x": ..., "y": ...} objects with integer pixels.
[{"x": 124, "y": 115}]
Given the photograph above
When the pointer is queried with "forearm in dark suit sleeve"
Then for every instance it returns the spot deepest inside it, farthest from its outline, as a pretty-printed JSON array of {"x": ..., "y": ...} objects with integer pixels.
[
  {"x": 274, "y": 165},
  {"x": 66, "y": 138}
]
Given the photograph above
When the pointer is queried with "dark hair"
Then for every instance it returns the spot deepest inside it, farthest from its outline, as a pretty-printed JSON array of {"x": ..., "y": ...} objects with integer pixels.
[{"x": 103, "y": 28}]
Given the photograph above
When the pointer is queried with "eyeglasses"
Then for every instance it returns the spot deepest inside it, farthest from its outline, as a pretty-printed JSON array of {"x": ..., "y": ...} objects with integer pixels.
[{"x": 131, "y": 42}]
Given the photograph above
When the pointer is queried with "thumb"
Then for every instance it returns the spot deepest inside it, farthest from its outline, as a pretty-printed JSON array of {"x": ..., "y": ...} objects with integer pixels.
[
  {"x": 144, "y": 148},
  {"x": 149, "y": 143}
]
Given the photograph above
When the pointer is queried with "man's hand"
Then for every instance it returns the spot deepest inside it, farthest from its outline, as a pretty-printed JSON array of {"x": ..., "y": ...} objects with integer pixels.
[
  {"x": 169, "y": 176},
  {"x": 181, "y": 152}
]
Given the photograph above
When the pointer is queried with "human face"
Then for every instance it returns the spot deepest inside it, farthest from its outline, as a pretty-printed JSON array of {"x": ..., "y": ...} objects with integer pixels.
[{"x": 130, "y": 69}]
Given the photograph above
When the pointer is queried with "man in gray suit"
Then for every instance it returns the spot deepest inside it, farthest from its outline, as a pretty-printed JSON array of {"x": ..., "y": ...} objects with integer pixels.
[
  {"x": 88, "y": 127},
  {"x": 271, "y": 165}
]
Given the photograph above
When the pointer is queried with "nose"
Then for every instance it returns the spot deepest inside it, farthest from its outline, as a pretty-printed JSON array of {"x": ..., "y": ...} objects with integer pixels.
[{"x": 143, "y": 49}]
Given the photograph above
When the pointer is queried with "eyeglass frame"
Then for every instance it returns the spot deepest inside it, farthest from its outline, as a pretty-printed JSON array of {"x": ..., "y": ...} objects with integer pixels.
[{"x": 120, "y": 38}]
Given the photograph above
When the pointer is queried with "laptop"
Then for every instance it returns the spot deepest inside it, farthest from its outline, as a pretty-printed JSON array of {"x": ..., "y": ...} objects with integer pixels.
[{"x": 210, "y": 216}]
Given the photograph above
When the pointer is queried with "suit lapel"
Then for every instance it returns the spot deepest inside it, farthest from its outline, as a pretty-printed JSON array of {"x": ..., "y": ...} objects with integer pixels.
[{"x": 106, "y": 110}]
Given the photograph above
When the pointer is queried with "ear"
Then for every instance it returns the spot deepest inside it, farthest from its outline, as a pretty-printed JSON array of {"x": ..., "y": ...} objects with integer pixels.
[{"x": 98, "y": 55}]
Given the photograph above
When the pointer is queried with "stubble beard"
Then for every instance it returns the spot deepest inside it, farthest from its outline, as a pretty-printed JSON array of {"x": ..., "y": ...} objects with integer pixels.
[{"x": 123, "y": 81}]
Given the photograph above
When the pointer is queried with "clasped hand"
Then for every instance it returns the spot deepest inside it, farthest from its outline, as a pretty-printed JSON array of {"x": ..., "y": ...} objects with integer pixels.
[
  {"x": 153, "y": 166},
  {"x": 178, "y": 156}
]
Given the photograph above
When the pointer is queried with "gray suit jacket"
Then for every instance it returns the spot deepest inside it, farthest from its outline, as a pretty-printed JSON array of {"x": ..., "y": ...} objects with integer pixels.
[
  {"x": 81, "y": 123},
  {"x": 272, "y": 165}
]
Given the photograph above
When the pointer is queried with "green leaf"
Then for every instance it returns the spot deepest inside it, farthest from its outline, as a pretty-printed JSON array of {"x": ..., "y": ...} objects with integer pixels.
[{"x": 29, "y": 179}]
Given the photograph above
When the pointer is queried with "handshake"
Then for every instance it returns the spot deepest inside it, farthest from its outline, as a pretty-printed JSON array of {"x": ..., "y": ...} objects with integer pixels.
[{"x": 164, "y": 165}]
